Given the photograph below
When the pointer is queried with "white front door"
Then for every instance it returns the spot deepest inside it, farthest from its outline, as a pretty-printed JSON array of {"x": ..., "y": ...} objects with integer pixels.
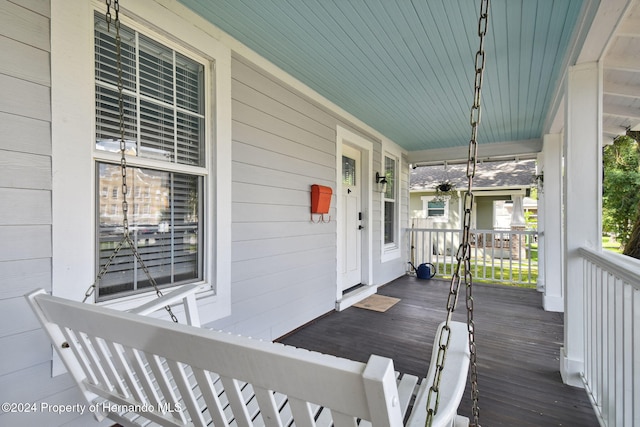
[{"x": 351, "y": 261}]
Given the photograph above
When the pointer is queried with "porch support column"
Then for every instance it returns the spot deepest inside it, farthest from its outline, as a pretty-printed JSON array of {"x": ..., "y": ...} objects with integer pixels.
[
  {"x": 553, "y": 297},
  {"x": 541, "y": 224},
  {"x": 582, "y": 196}
]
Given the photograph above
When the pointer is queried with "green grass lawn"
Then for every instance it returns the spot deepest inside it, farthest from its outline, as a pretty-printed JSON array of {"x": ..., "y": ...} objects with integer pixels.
[
  {"x": 611, "y": 245},
  {"x": 501, "y": 274}
]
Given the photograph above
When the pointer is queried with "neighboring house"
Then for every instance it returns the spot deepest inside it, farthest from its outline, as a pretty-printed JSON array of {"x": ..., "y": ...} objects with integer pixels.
[{"x": 495, "y": 185}]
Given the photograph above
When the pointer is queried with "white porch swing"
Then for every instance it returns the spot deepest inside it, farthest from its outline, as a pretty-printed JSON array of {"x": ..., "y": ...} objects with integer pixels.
[{"x": 138, "y": 370}]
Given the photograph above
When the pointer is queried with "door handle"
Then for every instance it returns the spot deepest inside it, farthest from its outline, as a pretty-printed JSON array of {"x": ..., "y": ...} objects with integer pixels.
[{"x": 360, "y": 227}]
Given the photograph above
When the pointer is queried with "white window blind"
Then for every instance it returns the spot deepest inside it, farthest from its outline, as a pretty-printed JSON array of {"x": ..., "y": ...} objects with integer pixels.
[
  {"x": 164, "y": 227},
  {"x": 435, "y": 208},
  {"x": 163, "y": 98}
]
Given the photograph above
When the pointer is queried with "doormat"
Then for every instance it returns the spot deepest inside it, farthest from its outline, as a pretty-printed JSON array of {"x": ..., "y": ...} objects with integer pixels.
[{"x": 377, "y": 302}]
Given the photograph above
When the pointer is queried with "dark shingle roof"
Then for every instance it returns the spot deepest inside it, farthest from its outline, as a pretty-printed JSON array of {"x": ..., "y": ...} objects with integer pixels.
[{"x": 488, "y": 175}]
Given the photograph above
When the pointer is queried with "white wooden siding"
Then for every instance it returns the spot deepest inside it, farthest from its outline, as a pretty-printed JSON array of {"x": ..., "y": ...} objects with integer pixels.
[
  {"x": 16, "y": 59},
  {"x": 21, "y": 207},
  {"x": 25, "y": 170},
  {"x": 23, "y": 275},
  {"x": 20, "y": 384},
  {"x": 25, "y": 134},
  {"x": 28, "y": 26},
  {"x": 283, "y": 266},
  {"x": 25, "y": 242},
  {"x": 25, "y": 98},
  {"x": 265, "y": 267},
  {"x": 24, "y": 350}
]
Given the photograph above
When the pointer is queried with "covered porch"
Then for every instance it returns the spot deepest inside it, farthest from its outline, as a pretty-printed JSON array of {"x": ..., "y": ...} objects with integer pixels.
[{"x": 518, "y": 348}]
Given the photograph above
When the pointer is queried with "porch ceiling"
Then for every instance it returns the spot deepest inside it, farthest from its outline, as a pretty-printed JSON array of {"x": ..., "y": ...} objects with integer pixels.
[{"x": 405, "y": 67}]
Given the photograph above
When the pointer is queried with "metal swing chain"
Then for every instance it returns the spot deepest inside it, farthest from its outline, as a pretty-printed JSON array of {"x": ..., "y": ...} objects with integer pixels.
[
  {"x": 123, "y": 167},
  {"x": 463, "y": 255}
]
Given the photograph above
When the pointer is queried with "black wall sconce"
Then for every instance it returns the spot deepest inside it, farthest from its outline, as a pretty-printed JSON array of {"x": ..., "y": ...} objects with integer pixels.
[{"x": 381, "y": 180}]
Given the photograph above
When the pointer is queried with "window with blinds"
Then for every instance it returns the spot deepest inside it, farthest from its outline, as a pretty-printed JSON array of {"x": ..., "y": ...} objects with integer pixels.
[
  {"x": 436, "y": 208},
  {"x": 163, "y": 100}
]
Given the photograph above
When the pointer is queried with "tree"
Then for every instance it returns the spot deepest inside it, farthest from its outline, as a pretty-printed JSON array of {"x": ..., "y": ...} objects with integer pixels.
[
  {"x": 632, "y": 248},
  {"x": 621, "y": 191}
]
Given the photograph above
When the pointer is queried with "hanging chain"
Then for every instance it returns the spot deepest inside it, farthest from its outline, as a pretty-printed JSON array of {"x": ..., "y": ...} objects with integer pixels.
[
  {"x": 483, "y": 23},
  {"x": 107, "y": 16},
  {"x": 463, "y": 255},
  {"x": 123, "y": 168}
]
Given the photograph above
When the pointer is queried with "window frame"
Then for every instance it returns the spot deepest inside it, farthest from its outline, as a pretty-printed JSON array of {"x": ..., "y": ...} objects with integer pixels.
[
  {"x": 74, "y": 158},
  {"x": 393, "y": 190},
  {"x": 391, "y": 251},
  {"x": 171, "y": 166},
  {"x": 425, "y": 208}
]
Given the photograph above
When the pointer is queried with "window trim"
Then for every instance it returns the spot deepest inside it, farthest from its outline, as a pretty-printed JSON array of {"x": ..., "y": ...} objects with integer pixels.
[
  {"x": 73, "y": 157},
  {"x": 391, "y": 251}
]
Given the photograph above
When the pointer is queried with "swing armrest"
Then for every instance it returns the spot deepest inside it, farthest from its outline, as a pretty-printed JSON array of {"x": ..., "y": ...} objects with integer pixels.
[{"x": 186, "y": 294}]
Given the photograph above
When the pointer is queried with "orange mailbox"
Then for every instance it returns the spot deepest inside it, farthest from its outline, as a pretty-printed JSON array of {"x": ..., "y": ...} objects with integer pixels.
[{"x": 320, "y": 199}]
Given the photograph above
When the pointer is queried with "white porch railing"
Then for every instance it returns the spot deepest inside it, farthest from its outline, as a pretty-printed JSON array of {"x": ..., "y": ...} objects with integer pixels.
[
  {"x": 496, "y": 256},
  {"x": 612, "y": 336}
]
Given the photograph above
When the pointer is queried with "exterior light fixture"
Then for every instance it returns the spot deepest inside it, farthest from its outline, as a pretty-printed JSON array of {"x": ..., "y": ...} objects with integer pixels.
[{"x": 381, "y": 180}]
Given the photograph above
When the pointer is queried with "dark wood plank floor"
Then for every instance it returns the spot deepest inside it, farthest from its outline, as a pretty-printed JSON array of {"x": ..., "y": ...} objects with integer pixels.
[{"x": 518, "y": 348}]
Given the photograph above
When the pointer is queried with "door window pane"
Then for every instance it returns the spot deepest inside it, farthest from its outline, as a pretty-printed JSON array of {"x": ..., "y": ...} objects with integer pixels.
[{"x": 348, "y": 171}]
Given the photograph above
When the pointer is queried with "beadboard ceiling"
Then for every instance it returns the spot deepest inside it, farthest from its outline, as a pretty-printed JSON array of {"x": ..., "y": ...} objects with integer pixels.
[{"x": 405, "y": 67}]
